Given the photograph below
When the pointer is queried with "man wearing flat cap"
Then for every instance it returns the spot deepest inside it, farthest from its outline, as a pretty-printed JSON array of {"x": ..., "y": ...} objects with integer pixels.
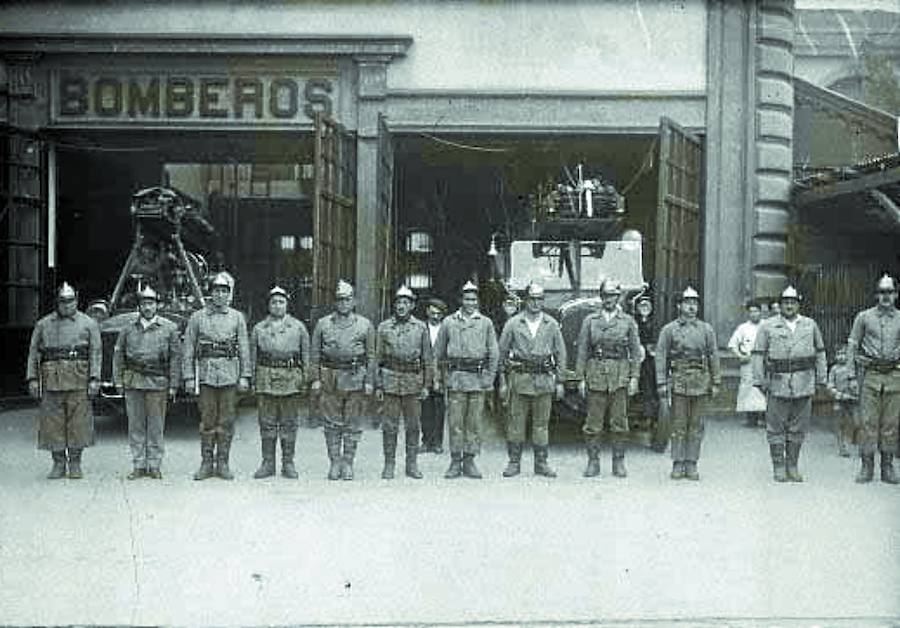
[
  {"x": 63, "y": 372},
  {"x": 279, "y": 353},
  {"x": 433, "y": 406},
  {"x": 533, "y": 353},
  {"x": 687, "y": 365},
  {"x": 216, "y": 366},
  {"x": 404, "y": 375},
  {"x": 342, "y": 369},
  {"x": 147, "y": 367},
  {"x": 466, "y": 352}
]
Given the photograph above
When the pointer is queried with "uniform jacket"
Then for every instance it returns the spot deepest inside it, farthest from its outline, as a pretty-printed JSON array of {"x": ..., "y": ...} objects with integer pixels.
[
  {"x": 403, "y": 341},
  {"x": 225, "y": 326},
  {"x": 55, "y": 333},
  {"x": 343, "y": 338},
  {"x": 609, "y": 352},
  {"x": 283, "y": 340},
  {"x": 775, "y": 341},
  {"x": 470, "y": 338},
  {"x": 518, "y": 348},
  {"x": 148, "y": 359},
  {"x": 688, "y": 349}
]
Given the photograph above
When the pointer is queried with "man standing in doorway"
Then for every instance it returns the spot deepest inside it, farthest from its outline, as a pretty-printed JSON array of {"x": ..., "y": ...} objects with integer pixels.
[
  {"x": 788, "y": 364},
  {"x": 607, "y": 367},
  {"x": 874, "y": 345},
  {"x": 687, "y": 364},
  {"x": 146, "y": 366},
  {"x": 216, "y": 366},
  {"x": 433, "y": 407},
  {"x": 466, "y": 352},
  {"x": 279, "y": 353},
  {"x": 534, "y": 353},
  {"x": 405, "y": 373},
  {"x": 750, "y": 401},
  {"x": 64, "y": 373},
  {"x": 342, "y": 368}
]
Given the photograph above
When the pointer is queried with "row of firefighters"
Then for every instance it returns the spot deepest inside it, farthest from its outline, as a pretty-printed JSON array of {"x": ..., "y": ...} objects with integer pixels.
[{"x": 407, "y": 364}]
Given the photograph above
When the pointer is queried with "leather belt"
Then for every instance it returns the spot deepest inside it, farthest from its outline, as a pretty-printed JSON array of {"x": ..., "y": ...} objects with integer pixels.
[
  {"x": 690, "y": 362},
  {"x": 270, "y": 361},
  {"x": 609, "y": 353},
  {"x": 147, "y": 367},
  {"x": 791, "y": 365},
  {"x": 882, "y": 366},
  {"x": 207, "y": 349},
  {"x": 343, "y": 364},
  {"x": 535, "y": 366},
  {"x": 413, "y": 365},
  {"x": 51, "y": 354},
  {"x": 467, "y": 365}
]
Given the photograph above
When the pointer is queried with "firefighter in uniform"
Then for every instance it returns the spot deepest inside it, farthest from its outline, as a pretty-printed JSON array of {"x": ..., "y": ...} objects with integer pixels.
[
  {"x": 788, "y": 362},
  {"x": 466, "y": 352},
  {"x": 607, "y": 366},
  {"x": 404, "y": 375},
  {"x": 342, "y": 368},
  {"x": 533, "y": 353},
  {"x": 279, "y": 352},
  {"x": 874, "y": 345},
  {"x": 216, "y": 366},
  {"x": 687, "y": 365},
  {"x": 146, "y": 367},
  {"x": 64, "y": 372}
]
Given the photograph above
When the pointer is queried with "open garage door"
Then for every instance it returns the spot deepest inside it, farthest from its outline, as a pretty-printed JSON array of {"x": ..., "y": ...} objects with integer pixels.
[
  {"x": 677, "y": 216},
  {"x": 334, "y": 210}
]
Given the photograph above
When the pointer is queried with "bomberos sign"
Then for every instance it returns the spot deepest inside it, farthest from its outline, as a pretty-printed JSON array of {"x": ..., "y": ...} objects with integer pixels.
[{"x": 135, "y": 99}]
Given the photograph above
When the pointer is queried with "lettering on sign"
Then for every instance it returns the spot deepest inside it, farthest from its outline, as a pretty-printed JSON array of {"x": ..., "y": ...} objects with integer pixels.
[{"x": 261, "y": 99}]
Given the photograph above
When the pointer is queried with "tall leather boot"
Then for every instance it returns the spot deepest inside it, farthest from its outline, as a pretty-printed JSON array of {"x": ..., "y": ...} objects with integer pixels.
[
  {"x": 389, "y": 446},
  {"x": 349, "y": 455},
  {"x": 223, "y": 450},
  {"x": 75, "y": 464},
  {"x": 267, "y": 466},
  {"x": 514, "y": 466},
  {"x": 333, "y": 445},
  {"x": 59, "y": 465},
  {"x": 455, "y": 469},
  {"x": 867, "y": 468},
  {"x": 792, "y": 455},
  {"x": 690, "y": 470},
  {"x": 469, "y": 468},
  {"x": 207, "y": 445},
  {"x": 593, "y": 465},
  {"x": 618, "y": 462},
  {"x": 288, "y": 446},
  {"x": 779, "y": 473},
  {"x": 678, "y": 471},
  {"x": 887, "y": 468},
  {"x": 412, "y": 452},
  {"x": 541, "y": 453}
]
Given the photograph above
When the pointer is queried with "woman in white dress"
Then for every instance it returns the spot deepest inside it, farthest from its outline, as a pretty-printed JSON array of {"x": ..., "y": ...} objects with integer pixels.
[{"x": 750, "y": 400}]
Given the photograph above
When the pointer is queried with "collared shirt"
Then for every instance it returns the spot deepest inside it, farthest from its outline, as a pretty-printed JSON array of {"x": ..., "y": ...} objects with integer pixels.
[
  {"x": 875, "y": 335},
  {"x": 776, "y": 341},
  {"x": 280, "y": 339},
  {"x": 609, "y": 351},
  {"x": 688, "y": 348},
  {"x": 467, "y": 337},
  {"x": 55, "y": 332},
  {"x": 343, "y": 338},
  {"x": 743, "y": 339},
  {"x": 223, "y": 325},
  {"x": 519, "y": 345},
  {"x": 147, "y": 355},
  {"x": 404, "y": 342},
  {"x": 433, "y": 332}
]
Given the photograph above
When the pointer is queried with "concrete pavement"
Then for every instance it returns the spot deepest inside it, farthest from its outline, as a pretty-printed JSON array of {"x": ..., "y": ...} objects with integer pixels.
[{"x": 734, "y": 549}]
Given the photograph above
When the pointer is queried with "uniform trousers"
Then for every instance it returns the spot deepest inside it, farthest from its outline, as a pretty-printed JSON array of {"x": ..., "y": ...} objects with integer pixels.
[
  {"x": 65, "y": 420},
  {"x": 278, "y": 414},
  {"x": 344, "y": 411},
  {"x": 602, "y": 405},
  {"x": 407, "y": 408},
  {"x": 464, "y": 418},
  {"x": 523, "y": 407},
  {"x": 687, "y": 426},
  {"x": 787, "y": 419},
  {"x": 880, "y": 407},
  {"x": 146, "y": 411},
  {"x": 217, "y": 410}
]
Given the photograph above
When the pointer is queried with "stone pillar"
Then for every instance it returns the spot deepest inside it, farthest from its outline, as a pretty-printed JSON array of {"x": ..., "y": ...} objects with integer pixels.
[{"x": 773, "y": 140}]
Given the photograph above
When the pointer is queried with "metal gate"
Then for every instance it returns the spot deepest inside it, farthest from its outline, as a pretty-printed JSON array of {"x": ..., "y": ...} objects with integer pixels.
[
  {"x": 334, "y": 210},
  {"x": 677, "y": 216},
  {"x": 387, "y": 243}
]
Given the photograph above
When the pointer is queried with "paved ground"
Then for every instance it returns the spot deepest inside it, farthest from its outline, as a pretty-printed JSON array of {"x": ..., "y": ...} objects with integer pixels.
[{"x": 734, "y": 549}]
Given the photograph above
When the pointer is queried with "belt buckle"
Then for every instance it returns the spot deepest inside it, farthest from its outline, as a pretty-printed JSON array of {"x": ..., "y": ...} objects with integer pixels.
[{"x": 73, "y": 353}]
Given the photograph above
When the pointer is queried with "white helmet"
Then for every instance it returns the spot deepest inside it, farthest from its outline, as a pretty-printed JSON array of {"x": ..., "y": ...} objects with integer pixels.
[
  {"x": 344, "y": 290},
  {"x": 790, "y": 293},
  {"x": 690, "y": 293},
  {"x": 66, "y": 292},
  {"x": 403, "y": 292}
]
